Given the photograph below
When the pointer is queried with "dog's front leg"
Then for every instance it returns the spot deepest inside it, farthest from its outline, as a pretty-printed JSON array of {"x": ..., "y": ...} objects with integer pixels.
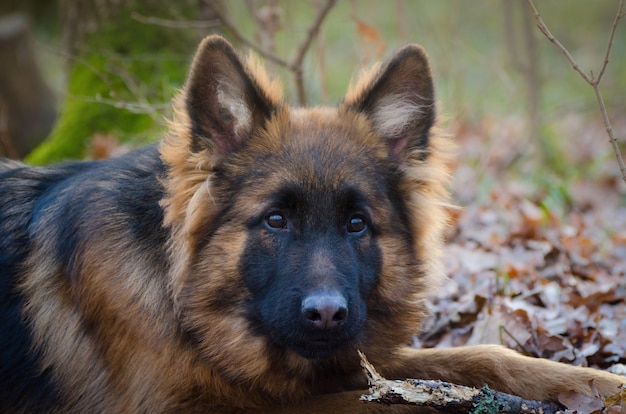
[{"x": 501, "y": 369}]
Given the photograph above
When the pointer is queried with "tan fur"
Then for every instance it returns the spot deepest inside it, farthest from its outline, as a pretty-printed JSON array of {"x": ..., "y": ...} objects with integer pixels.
[{"x": 116, "y": 330}]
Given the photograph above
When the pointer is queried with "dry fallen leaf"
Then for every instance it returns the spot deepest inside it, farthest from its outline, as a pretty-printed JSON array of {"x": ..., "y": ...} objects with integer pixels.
[{"x": 581, "y": 403}]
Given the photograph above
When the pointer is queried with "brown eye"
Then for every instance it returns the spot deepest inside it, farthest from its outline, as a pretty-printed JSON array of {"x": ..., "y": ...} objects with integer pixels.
[
  {"x": 276, "y": 220},
  {"x": 356, "y": 224}
]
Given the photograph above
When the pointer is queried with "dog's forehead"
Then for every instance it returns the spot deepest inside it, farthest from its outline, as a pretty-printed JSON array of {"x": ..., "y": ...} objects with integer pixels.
[
  {"x": 317, "y": 151},
  {"x": 330, "y": 134},
  {"x": 330, "y": 146},
  {"x": 323, "y": 123}
]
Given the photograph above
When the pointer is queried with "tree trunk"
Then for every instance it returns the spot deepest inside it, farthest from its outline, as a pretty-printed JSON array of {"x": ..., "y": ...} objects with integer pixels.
[{"x": 27, "y": 106}]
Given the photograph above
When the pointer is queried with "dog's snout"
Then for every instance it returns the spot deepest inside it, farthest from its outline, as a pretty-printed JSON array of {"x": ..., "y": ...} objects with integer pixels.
[{"x": 324, "y": 310}]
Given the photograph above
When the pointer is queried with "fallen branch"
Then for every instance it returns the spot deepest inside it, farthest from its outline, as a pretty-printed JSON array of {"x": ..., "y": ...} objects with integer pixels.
[
  {"x": 443, "y": 396},
  {"x": 589, "y": 78}
]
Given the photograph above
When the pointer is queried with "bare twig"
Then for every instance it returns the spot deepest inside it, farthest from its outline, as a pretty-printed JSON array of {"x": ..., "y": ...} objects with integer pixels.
[
  {"x": 176, "y": 24},
  {"x": 295, "y": 65},
  {"x": 242, "y": 39},
  {"x": 503, "y": 330},
  {"x": 589, "y": 78},
  {"x": 544, "y": 29},
  {"x": 142, "y": 104},
  {"x": 618, "y": 16},
  {"x": 312, "y": 31},
  {"x": 151, "y": 109}
]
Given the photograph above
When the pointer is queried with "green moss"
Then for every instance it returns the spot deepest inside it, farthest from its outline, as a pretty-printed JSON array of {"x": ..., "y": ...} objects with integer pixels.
[
  {"x": 486, "y": 402},
  {"x": 120, "y": 85}
]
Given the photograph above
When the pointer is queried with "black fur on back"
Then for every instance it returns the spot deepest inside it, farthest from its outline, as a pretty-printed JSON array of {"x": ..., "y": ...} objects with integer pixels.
[{"x": 49, "y": 199}]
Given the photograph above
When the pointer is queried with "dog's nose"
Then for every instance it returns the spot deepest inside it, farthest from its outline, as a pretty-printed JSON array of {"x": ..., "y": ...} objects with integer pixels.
[{"x": 325, "y": 310}]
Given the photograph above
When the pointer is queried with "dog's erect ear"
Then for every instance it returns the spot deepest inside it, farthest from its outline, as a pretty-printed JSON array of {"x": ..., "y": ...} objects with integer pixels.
[
  {"x": 398, "y": 99},
  {"x": 223, "y": 100}
]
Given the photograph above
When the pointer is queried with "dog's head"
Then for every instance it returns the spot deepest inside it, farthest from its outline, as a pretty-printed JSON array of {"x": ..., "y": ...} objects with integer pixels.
[{"x": 302, "y": 234}]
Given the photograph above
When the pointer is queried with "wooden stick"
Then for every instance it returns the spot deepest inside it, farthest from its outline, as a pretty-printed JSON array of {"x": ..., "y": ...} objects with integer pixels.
[{"x": 444, "y": 396}]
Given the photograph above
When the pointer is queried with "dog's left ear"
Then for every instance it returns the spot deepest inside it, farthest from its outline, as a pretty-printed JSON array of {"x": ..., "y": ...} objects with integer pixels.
[
  {"x": 223, "y": 100},
  {"x": 399, "y": 102}
]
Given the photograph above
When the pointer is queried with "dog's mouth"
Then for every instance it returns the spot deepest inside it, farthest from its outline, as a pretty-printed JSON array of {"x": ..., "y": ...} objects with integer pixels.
[
  {"x": 321, "y": 345},
  {"x": 318, "y": 348}
]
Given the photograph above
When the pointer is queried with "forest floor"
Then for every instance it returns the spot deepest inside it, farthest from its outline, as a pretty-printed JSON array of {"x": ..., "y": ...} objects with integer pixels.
[{"x": 538, "y": 265}]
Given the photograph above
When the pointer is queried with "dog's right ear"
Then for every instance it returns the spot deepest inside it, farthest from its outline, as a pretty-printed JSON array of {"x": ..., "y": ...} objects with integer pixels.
[{"x": 223, "y": 99}]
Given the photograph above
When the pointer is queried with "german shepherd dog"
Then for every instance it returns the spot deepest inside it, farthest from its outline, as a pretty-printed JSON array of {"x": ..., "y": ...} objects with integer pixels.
[{"x": 241, "y": 263}]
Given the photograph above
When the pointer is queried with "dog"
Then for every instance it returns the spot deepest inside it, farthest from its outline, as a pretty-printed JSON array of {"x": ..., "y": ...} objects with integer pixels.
[{"x": 241, "y": 262}]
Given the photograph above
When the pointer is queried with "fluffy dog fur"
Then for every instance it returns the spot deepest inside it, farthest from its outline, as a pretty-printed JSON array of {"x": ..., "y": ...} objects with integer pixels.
[{"x": 242, "y": 262}]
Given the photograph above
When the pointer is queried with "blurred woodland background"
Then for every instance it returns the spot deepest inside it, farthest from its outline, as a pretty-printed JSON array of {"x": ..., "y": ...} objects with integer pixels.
[{"x": 537, "y": 251}]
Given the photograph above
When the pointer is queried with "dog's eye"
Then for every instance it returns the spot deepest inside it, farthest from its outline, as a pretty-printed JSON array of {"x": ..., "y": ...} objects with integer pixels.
[
  {"x": 276, "y": 220},
  {"x": 356, "y": 224}
]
